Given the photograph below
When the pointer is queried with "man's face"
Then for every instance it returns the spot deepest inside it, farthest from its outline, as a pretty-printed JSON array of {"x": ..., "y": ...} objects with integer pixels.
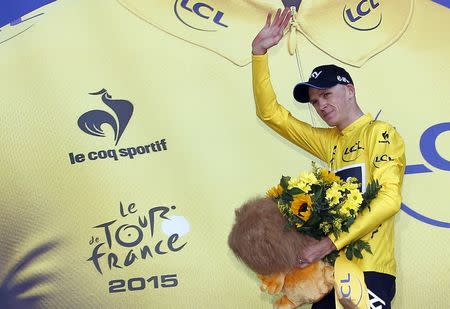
[{"x": 332, "y": 104}]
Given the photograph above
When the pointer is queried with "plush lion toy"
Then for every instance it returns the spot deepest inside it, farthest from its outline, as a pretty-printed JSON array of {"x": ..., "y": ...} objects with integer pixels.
[{"x": 261, "y": 238}]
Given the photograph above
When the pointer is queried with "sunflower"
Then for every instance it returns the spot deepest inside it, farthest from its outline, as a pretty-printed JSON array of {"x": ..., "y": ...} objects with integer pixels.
[
  {"x": 328, "y": 176},
  {"x": 274, "y": 192},
  {"x": 301, "y": 206}
]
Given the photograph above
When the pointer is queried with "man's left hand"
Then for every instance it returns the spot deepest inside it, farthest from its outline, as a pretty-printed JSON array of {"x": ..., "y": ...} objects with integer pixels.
[{"x": 314, "y": 251}]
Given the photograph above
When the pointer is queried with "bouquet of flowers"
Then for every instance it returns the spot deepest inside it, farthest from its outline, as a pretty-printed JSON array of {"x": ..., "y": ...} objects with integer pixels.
[{"x": 319, "y": 203}]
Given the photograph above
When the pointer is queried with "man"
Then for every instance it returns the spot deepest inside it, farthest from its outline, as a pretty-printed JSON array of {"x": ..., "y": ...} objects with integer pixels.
[{"x": 355, "y": 146}]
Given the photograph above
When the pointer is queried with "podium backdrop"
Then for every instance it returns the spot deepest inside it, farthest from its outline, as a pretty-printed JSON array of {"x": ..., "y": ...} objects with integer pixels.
[{"x": 129, "y": 136}]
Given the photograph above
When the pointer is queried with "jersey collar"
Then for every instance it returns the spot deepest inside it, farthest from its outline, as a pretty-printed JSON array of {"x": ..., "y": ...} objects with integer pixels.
[{"x": 357, "y": 124}]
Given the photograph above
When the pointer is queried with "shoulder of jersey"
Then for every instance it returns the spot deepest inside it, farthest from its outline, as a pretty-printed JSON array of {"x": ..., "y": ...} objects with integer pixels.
[
  {"x": 379, "y": 129},
  {"x": 378, "y": 125}
]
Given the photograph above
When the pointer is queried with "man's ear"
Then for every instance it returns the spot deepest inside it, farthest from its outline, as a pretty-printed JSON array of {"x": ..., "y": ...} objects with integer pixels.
[{"x": 350, "y": 90}]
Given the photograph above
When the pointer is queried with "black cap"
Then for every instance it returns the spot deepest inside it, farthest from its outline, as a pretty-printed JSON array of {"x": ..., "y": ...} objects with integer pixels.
[{"x": 322, "y": 77}]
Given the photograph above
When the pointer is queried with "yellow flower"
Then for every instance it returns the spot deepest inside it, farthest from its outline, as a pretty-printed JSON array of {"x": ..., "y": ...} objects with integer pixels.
[
  {"x": 333, "y": 194},
  {"x": 347, "y": 206},
  {"x": 353, "y": 201},
  {"x": 328, "y": 176},
  {"x": 350, "y": 185},
  {"x": 308, "y": 178},
  {"x": 325, "y": 227},
  {"x": 275, "y": 192},
  {"x": 293, "y": 182},
  {"x": 298, "y": 183},
  {"x": 355, "y": 196},
  {"x": 301, "y": 206},
  {"x": 305, "y": 187},
  {"x": 305, "y": 180},
  {"x": 337, "y": 223}
]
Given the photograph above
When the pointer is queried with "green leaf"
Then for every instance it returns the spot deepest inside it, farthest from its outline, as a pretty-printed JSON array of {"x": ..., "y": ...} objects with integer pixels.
[
  {"x": 335, "y": 234},
  {"x": 365, "y": 246},
  {"x": 284, "y": 182},
  {"x": 331, "y": 258},
  {"x": 294, "y": 191},
  {"x": 357, "y": 253},
  {"x": 286, "y": 198},
  {"x": 371, "y": 192},
  {"x": 349, "y": 254}
]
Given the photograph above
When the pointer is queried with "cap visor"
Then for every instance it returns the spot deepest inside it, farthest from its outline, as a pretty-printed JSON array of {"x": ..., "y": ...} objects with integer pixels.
[{"x": 301, "y": 91}]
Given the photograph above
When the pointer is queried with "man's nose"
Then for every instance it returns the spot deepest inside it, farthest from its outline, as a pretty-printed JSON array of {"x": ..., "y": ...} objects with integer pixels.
[{"x": 322, "y": 104}]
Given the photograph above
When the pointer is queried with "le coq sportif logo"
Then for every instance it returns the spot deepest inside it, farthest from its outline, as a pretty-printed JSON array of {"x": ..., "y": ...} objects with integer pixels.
[
  {"x": 91, "y": 122},
  {"x": 97, "y": 122}
]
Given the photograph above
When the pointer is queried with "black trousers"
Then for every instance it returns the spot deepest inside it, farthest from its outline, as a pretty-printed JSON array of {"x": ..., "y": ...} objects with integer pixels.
[{"x": 381, "y": 292}]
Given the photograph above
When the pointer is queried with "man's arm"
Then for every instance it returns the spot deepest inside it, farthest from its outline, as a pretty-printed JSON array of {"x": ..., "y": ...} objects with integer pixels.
[
  {"x": 267, "y": 107},
  {"x": 388, "y": 163}
]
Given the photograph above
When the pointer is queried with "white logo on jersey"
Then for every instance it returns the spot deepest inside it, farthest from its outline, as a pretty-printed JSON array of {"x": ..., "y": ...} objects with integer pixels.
[
  {"x": 315, "y": 74},
  {"x": 373, "y": 299}
]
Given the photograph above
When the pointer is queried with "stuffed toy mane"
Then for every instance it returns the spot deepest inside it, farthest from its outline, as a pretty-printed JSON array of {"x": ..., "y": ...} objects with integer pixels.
[{"x": 262, "y": 239}]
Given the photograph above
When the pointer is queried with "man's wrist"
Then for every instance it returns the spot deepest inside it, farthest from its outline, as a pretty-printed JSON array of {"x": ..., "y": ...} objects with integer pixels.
[
  {"x": 258, "y": 51},
  {"x": 329, "y": 244}
]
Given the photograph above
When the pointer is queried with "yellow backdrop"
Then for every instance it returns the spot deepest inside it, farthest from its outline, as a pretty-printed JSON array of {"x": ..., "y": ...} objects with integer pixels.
[{"x": 129, "y": 136}]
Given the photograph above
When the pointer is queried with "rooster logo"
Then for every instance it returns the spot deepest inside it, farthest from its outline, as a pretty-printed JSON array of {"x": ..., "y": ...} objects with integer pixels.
[
  {"x": 91, "y": 121},
  {"x": 385, "y": 136}
]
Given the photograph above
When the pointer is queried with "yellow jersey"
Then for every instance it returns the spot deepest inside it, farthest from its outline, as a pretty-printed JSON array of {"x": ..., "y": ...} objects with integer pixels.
[{"x": 366, "y": 149}]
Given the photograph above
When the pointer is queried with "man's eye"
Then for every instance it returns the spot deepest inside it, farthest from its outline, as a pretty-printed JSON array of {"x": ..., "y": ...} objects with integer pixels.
[{"x": 327, "y": 94}]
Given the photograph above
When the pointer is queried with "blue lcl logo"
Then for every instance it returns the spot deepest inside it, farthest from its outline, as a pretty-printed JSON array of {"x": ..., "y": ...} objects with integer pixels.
[
  {"x": 362, "y": 9},
  {"x": 434, "y": 158},
  {"x": 199, "y": 15}
]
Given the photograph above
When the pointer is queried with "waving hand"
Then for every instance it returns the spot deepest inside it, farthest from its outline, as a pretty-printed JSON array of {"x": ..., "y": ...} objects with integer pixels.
[{"x": 272, "y": 32}]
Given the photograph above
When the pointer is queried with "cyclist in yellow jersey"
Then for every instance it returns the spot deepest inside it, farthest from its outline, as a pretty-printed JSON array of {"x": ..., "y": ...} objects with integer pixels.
[{"x": 355, "y": 146}]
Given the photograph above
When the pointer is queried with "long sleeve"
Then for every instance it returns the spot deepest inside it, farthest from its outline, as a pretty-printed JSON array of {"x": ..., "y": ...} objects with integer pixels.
[
  {"x": 387, "y": 160},
  {"x": 279, "y": 119}
]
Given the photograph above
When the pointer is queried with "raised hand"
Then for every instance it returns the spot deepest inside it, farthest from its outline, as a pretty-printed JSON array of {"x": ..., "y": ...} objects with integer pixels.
[{"x": 272, "y": 32}]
